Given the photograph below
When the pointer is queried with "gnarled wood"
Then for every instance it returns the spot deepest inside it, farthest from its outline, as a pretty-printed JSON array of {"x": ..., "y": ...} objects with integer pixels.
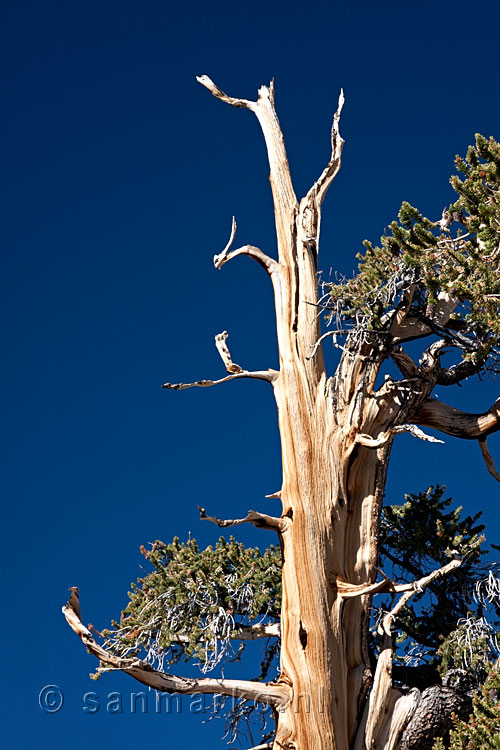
[
  {"x": 447, "y": 419},
  {"x": 261, "y": 520}
]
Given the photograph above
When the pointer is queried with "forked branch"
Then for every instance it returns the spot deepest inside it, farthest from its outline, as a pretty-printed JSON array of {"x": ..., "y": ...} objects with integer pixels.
[
  {"x": 386, "y": 586},
  {"x": 270, "y": 265},
  {"x": 267, "y": 693},
  {"x": 285, "y": 201},
  {"x": 234, "y": 370}
]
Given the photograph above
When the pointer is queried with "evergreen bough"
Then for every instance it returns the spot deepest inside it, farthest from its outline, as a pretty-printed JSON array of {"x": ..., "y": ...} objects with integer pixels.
[{"x": 422, "y": 257}]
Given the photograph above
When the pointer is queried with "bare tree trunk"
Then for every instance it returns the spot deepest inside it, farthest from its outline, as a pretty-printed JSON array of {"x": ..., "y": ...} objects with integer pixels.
[
  {"x": 336, "y": 436},
  {"x": 332, "y": 483}
]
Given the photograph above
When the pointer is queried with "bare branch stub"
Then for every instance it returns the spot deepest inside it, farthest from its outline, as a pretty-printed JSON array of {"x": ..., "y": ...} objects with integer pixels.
[
  {"x": 320, "y": 187},
  {"x": 222, "y": 348},
  {"x": 243, "y": 632},
  {"x": 488, "y": 459},
  {"x": 267, "y": 375},
  {"x": 416, "y": 432},
  {"x": 219, "y": 94},
  {"x": 384, "y": 437},
  {"x": 260, "y": 520}
]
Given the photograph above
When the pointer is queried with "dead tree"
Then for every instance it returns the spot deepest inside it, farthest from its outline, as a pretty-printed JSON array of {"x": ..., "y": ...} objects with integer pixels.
[{"x": 336, "y": 438}]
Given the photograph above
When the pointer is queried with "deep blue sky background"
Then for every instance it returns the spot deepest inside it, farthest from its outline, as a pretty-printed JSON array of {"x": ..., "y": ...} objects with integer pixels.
[{"x": 121, "y": 175}]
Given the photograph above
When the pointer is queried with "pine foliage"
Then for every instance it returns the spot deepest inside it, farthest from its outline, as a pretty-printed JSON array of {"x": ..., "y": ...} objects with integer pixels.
[
  {"x": 423, "y": 256},
  {"x": 416, "y": 537},
  {"x": 194, "y": 601},
  {"x": 482, "y": 730}
]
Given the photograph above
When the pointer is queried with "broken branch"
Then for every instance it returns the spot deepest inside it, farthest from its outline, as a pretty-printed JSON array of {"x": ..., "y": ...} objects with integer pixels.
[
  {"x": 488, "y": 459},
  {"x": 222, "y": 348},
  {"x": 384, "y": 437},
  {"x": 268, "y": 375},
  {"x": 219, "y": 94},
  {"x": 260, "y": 520},
  {"x": 320, "y": 187}
]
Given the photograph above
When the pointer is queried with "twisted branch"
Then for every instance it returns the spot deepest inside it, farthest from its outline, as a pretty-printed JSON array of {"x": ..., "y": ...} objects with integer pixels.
[
  {"x": 267, "y": 693},
  {"x": 260, "y": 520}
]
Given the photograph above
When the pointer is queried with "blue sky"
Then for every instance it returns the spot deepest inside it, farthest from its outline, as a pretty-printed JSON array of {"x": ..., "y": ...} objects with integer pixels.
[{"x": 121, "y": 175}]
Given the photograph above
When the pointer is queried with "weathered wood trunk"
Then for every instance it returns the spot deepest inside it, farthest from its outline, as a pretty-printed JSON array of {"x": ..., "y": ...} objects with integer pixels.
[{"x": 332, "y": 491}]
